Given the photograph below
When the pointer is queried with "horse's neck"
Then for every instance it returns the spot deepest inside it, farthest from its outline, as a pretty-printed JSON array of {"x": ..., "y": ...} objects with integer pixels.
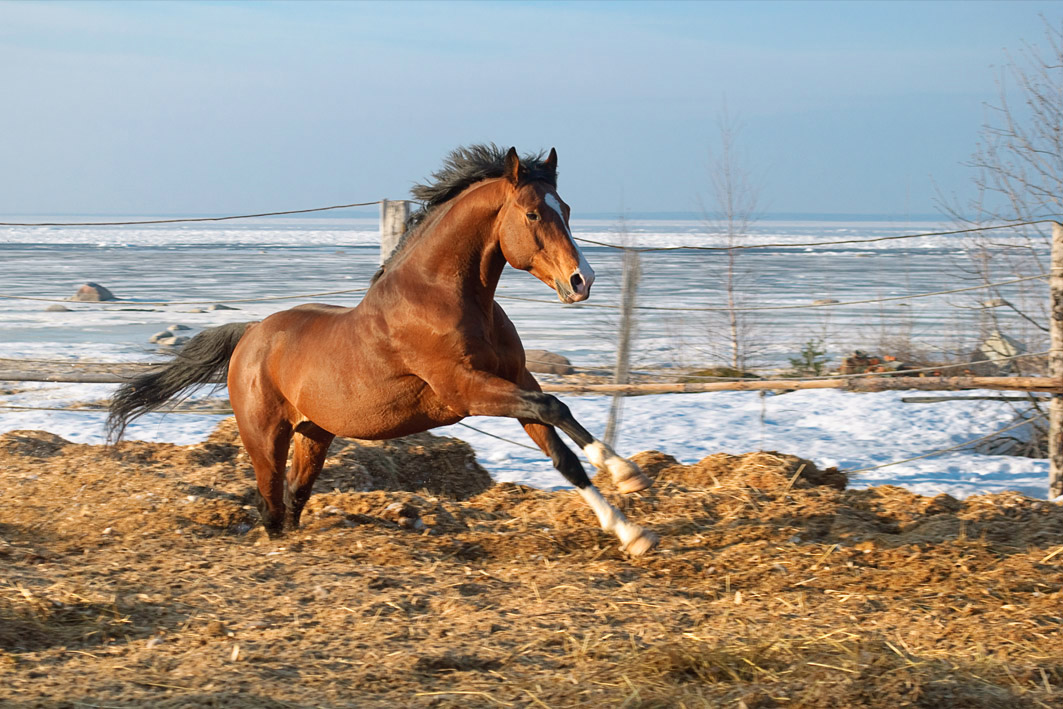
[{"x": 463, "y": 241}]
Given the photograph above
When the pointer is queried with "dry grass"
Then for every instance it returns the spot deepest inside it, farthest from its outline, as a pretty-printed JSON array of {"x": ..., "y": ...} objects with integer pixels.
[{"x": 137, "y": 579}]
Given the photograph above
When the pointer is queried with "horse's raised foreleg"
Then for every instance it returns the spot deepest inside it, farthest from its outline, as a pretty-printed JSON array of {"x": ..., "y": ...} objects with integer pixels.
[
  {"x": 308, "y": 457},
  {"x": 627, "y": 476},
  {"x": 634, "y": 539},
  {"x": 482, "y": 394}
]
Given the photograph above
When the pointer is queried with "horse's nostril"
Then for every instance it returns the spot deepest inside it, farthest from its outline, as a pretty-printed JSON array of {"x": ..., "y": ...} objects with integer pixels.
[{"x": 576, "y": 281}]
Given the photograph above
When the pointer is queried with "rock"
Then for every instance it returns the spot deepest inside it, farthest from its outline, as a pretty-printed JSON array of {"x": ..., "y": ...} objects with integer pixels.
[
  {"x": 93, "y": 293},
  {"x": 56, "y": 308},
  {"x": 825, "y": 301},
  {"x": 161, "y": 335},
  {"x": 171, "y": 341},
  {"x": 195, "y": 310},
  {"x": 999, "y": 349},
  {"x": 177, "y": 326},
  {"x": 219, "y": 306},
  {"x": 545, "y": 362}
]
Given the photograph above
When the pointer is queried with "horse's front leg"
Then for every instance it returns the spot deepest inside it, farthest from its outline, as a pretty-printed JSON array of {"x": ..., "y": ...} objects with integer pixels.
[
  {"x": 626, "y": 475},
  {"x": 634, "y": 539},
  {"x": 481, "y": 394}
]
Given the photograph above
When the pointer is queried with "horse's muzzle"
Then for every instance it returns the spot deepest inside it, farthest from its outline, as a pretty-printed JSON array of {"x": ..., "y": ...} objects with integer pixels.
[{"x": 578, "y": 288}]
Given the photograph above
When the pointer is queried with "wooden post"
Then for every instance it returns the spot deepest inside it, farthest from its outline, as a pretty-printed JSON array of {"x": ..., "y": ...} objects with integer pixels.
[
  {"x": 629, "y": 284},
  {"x": 1055, "y": 360},
  {"x": 393, "y": 216}
]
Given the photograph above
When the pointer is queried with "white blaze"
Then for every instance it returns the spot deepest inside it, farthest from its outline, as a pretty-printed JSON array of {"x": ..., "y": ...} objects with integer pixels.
[{"x": 584, "y": 268}]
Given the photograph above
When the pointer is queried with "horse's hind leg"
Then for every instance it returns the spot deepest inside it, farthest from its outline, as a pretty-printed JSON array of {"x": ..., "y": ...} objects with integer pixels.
[
  {"x": 266, "y": 442},
  {"x": 634, "y": 539},
  {"x": 311, "y": 448}
]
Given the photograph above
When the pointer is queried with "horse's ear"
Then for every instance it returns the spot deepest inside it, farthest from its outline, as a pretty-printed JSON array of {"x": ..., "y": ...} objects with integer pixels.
[
  {"x": 511, "y": 168},
  {"x": 551, "y": 162}
]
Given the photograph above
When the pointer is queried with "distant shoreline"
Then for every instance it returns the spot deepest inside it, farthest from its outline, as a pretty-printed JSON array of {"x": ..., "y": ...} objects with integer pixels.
[{"x": 362, "y": 213}]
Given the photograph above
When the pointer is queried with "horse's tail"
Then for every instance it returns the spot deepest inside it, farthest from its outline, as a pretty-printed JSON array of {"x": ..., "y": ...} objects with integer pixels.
[{"x": 201, "y": 361}]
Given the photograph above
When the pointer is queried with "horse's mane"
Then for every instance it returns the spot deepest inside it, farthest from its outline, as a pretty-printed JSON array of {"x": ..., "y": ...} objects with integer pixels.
[{"x": 462, "y": 168}]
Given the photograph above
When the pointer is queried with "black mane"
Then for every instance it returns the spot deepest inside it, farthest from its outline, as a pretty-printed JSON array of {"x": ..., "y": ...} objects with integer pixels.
[
  {"x": 463, "y": 167},
  {"x": 468, "y": 165}
]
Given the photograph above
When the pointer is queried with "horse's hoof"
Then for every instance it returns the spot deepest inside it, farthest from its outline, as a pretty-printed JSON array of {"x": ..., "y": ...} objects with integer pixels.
[
  {"x": 627, "y": 476},
  {"x": 641, "y": 544},
  {"x": 634, "y": 483}
]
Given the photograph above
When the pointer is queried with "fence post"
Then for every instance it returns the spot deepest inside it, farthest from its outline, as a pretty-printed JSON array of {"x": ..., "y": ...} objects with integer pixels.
[
  {"x": 393, "y": 216},
  {"x": 1055, "y": 363},
  {"x": 629, "y": 285}
]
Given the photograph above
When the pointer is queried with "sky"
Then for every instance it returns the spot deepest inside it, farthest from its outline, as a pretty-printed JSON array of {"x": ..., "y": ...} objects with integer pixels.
[{"x": 206, "y": 108}]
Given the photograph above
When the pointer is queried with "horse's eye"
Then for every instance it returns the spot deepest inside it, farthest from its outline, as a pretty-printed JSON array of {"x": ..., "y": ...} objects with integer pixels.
[{"x": 532, "y": 216}]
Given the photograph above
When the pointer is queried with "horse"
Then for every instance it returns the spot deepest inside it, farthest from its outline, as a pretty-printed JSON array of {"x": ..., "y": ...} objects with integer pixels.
[{"x": 427, "y": 346}]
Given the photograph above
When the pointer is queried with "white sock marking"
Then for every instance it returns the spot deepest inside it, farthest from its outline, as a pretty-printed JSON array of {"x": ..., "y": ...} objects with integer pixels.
[
  {"x": 611, "y": 519},
  {"x": 605, "y": 458},
  {"x": 597, "y": 453}
]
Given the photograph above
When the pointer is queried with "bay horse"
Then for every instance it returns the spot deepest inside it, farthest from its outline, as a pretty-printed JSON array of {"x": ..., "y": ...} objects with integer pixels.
[{"x": 427, "y": 345}]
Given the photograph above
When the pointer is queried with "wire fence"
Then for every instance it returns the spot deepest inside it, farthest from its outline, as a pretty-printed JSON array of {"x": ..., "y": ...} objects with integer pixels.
[
  {"x": 189, "y": 220},
  {"x": 992, "y": 286},
  {"x": 221, "y": 411}
]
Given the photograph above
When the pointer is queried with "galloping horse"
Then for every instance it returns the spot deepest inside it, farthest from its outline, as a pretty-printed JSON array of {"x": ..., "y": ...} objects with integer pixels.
[{"x": 427, "y": 346}]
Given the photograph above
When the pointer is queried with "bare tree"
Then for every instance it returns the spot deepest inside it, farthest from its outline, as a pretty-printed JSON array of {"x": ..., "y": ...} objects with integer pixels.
[
  {"x": 734, "y": 210},
  {"x": 1018, "y": 177}
]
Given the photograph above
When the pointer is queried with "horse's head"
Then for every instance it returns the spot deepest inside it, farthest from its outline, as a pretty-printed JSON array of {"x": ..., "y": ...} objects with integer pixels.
[{"x": 534, "y": 231}]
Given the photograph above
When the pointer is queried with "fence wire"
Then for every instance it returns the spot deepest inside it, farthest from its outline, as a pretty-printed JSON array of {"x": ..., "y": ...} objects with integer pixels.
[
  {"x": 746, "y": 247},
  {"x": 848, "y": 472},
  {"x": 806, "y": 306},
  {"x": 263, "y": 299},
  {"x": 186, "y": 220}
]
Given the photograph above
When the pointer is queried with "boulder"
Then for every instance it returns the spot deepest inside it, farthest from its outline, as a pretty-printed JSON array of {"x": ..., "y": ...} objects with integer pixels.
[
  {"x": 545, "y": 362},
  {"x": 219, "y": 306},
  {"x": 56, "y": 308},
  {"x": 825, "y": 301},
  {"x": 999, "y": 349},
  {"x": 177, "y": 326},
  {"x": 93, "y": 293}
]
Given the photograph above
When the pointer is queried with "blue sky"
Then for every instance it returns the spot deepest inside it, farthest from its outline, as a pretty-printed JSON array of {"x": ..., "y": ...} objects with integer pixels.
[{"x": 220, "y": 107}]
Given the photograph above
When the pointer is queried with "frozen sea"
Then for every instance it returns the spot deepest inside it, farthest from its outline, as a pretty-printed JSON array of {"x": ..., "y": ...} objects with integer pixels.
[{"x": 198, "y": 265}]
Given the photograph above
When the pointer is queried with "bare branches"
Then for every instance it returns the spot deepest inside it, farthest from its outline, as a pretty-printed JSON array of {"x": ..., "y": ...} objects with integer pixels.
[{"x": 735, "y": 202}]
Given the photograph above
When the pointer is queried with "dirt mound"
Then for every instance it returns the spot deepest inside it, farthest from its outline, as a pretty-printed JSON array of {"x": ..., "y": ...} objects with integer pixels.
[
  {"x": 138, "y": 576},
  {"x": 422, "y": 462},
  {"x": 438, "y": 465},
  {"x": 36, "y": 444},
  {"x": 763, "y": 470}
]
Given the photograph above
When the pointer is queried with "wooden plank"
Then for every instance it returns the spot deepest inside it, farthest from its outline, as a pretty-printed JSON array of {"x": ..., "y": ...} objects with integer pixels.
[
  {"x": 122, "y": 374},
  {"x": 1042, "y": 384}
]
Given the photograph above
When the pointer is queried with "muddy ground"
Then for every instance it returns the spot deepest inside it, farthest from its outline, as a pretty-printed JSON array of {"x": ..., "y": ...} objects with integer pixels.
[{"x": 136, "y": 577}]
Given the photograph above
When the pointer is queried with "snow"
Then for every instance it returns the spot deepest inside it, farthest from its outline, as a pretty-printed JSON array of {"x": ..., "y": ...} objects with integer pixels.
[
  {"x": 284, "y": 256},
  {"x": 831, "y": 428}
]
